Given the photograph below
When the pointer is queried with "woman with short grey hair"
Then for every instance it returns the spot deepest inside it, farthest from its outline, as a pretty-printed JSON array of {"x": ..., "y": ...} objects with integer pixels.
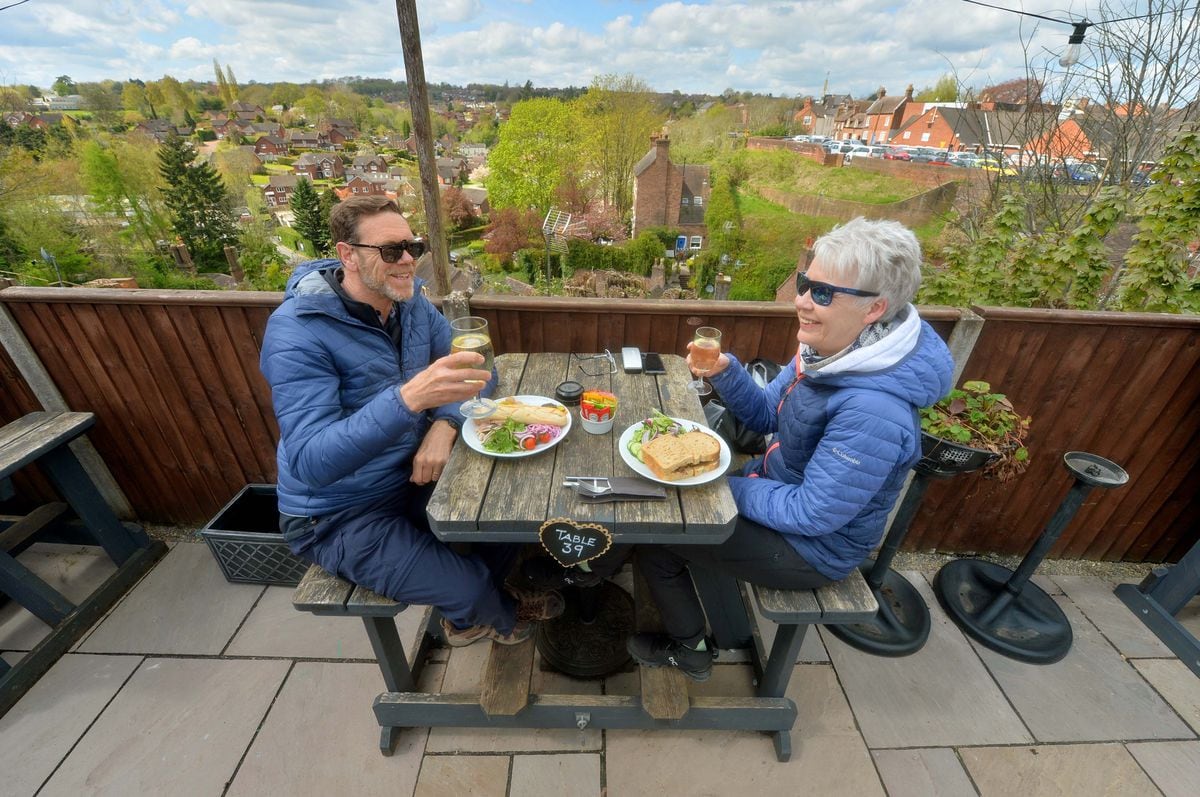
[{"x": 844, "y": 415}]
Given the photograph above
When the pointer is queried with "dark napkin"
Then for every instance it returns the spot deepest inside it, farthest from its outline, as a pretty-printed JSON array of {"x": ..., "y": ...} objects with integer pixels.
[{"x": 625, "y": 488}]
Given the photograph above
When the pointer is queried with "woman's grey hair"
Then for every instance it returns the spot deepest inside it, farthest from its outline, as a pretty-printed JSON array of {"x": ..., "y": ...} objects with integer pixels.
[{"x": 880, "y": 256}]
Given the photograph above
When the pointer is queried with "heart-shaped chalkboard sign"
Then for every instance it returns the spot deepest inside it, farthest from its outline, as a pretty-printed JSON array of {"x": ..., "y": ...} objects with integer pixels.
[{"x": 571, "y": 543}]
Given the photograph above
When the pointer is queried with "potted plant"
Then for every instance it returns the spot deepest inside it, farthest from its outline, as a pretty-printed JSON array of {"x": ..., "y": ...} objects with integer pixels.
[{"x": 973, "y": 428}]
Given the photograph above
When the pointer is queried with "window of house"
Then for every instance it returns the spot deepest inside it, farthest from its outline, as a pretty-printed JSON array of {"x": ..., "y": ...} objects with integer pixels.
[
  {"x": 697, "y": 241},
  {"x": 684, "y": 201},
  {"x": 698, "y": 201},
  {"x": 924, "y": 136}
]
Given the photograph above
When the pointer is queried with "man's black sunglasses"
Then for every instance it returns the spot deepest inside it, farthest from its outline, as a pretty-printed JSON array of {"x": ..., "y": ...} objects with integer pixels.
[
  {"x": 822, "y": 292},
  {"x": 391, "y": 253}
]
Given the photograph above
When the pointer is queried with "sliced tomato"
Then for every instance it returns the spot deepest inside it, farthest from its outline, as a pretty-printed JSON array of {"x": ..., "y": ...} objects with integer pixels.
[
  {"x": 544, "y": 437},
  {"x": 528, "y": 443}
]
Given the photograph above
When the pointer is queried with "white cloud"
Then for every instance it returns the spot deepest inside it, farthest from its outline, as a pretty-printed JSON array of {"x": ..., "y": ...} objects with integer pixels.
[{"x": 786, "y": 48}]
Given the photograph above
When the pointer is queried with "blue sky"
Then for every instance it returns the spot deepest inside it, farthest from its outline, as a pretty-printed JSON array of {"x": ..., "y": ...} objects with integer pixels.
[{"x": 784, "y": 48}]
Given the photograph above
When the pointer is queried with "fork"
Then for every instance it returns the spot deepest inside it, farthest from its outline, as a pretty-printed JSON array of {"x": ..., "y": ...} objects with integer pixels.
[{"x": 583, "y": 488}]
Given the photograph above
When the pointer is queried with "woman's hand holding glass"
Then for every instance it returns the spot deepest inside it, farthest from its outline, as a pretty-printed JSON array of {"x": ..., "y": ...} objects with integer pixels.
[{"x": 704, "y": 358}]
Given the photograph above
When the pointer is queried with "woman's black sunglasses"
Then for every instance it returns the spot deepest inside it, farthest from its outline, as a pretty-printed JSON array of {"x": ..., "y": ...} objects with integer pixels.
[
  {"x": 822, "y": 292},
  {"x": 391, "y": 253}
]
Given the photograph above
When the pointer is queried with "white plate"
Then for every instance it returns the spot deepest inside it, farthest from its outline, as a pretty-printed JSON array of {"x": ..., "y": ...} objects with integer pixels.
[
  {"x": 691, "y": 481},
  {"x": 471, "y": 435}
]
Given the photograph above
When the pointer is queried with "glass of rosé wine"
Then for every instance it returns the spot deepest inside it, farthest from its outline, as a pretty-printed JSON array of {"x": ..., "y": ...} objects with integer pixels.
[{"x": 706, "y": 348}]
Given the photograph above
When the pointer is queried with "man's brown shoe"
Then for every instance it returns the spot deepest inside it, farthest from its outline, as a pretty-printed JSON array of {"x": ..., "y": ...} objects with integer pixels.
[
  {"x": 461, "y": 637},
  {"x": 533, "y": 606}
]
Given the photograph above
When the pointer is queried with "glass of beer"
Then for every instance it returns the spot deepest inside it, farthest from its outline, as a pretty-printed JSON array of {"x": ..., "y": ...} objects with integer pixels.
[
  {"x": 706, "y": 348},
  {"x": 470, "y": 333}
]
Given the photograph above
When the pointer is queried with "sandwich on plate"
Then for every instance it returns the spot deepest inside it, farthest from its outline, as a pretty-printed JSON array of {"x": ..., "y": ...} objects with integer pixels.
[{"x": 672, "y": 457}]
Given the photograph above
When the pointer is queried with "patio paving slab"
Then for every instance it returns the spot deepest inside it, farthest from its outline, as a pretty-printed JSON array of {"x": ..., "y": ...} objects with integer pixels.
[
  {"x": 828, "y": 755},
  {"x": 1091, "y": 695},
  {"x": 1056, "y": 770},
  {"x": 51, "y": 717},
  {"x": 185, "y": 606},
  {"x": 1094, "y": 596},
  {"x": 1173, "y": 766},
  {"x": 322, "y": 732},
  {"x": 275, "y": 628},
  {"x": 575, "y": 775},
  {"x": 1177, "y": 684},
  {"x": 463, "y": 672},
  {"x": 75, "y": 571},
  {"x": 179, "y": 726},
  {"x": 929, "y": 772},
  {"x": 460, "y": 776},
  {"x": 940, "y": 696}
]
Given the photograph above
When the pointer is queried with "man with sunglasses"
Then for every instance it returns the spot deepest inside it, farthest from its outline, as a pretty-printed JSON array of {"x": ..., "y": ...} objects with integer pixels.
[
  {"x": 844, "y": 416},
  {"x": 366, "y": 393}
]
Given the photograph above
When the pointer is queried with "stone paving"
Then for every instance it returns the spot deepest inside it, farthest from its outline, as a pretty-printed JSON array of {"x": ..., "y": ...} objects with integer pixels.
[{"x": 194, "y": 686}]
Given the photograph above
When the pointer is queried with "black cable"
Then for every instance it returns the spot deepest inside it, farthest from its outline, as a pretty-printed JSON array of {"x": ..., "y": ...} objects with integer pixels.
[
  {"x": 1084, "y": 21},
  {"x": 13, "y": 5}
]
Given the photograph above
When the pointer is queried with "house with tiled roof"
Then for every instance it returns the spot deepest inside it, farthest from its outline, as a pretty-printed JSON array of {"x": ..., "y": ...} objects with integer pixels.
[
  {"x": 279, "y": 189},
  {"x": 318, "y": 165},
  {"x": 667, "y": 194},
  {"x": 270, "y": 147},
  {"x": 970, "y": 129},
  {"x": 885, "y": 115},
  {"x": 306, "y": 139}
]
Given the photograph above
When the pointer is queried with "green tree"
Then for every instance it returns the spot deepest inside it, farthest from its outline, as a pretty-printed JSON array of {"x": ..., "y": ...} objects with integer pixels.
[
  {"x": 63, "y": 85},
  {"x": 945, "y": 90},
  {"x": 200, "y": 210},
  {"x": 537, "y": 146},
  {"x": 119, "y": 177},
  {"x": 306, "y": 208},
  {"x": 617, "y": 116},
  {"x": 222, "y": 85}
]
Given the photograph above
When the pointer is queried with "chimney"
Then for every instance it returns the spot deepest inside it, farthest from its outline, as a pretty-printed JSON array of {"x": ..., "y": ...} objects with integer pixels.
[
  {"x": 882, "y": 93},
  {"x": 662, "y": 144},
  {"x": 908, "y": 93}
]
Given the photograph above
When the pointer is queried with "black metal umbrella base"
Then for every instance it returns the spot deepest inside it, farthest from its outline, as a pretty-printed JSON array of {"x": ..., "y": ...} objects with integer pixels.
[
  {"x": 589, "y": 649},
  {"x": 901, "y": 625},
  {"x": 1028, "y": 626}
]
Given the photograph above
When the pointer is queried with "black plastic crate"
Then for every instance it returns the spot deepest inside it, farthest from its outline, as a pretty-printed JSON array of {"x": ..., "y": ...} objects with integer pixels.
[{"x": 245, "y": 540}]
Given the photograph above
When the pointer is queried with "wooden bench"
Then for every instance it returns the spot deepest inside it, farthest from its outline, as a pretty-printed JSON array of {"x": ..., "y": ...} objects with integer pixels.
[
  {"x": 845, "y": 602},
  {"x": 44, "y": 438},
  {"x": 506, "y": 677}
]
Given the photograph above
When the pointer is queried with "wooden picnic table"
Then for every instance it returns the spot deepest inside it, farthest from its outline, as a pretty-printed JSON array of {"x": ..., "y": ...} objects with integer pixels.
[{"x": 484, "y": 499}]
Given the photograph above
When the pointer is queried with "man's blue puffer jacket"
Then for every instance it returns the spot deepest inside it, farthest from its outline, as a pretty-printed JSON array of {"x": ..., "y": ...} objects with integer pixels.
[
  {"x": 846, "y": 437},
  {"x": 345, "y": 438}
]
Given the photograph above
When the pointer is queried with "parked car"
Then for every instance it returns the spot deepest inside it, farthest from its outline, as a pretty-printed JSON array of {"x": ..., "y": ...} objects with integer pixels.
[
  {"x": 964, "y": 159},
  {"x": 992, "y": 163},
  {"x": 924, "y": 154},
  {"x": 897, "y": 154},
  {"x": 856, "y": 151},
  {"x": 1077, "y": 172}
]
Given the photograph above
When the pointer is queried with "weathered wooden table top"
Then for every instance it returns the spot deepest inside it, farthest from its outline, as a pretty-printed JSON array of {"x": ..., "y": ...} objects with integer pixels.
[{"x": 490, "y": 499}]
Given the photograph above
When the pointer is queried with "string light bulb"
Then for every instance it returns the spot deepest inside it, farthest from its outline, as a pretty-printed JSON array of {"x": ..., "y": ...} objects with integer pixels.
[{"x": 1074, "y": 44}]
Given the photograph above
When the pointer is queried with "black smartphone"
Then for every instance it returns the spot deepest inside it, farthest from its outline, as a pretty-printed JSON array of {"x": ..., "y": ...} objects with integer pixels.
[{"x": 652, "y": 363}]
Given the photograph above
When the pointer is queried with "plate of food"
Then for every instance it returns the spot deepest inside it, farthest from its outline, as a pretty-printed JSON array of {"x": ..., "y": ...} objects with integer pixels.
[
  {"x": 674, "y": 451},
  {"x": 521, "y": 426}
]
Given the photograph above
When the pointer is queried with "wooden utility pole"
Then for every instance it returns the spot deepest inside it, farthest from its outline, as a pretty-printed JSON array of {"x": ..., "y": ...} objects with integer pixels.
[{"x": 418, "y": 101}]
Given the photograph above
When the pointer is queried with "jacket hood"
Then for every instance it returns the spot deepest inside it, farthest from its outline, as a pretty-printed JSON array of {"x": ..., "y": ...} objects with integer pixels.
[{"x": 912, "y": 363}]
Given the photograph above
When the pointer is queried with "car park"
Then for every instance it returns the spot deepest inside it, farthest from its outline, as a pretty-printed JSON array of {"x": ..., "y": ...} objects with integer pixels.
[
  {"x": 924, "y": 154},
  {"x": 856, "y": 151},
  {"x": 963, "y": 159},
  {"x": 897, "y": 153}
]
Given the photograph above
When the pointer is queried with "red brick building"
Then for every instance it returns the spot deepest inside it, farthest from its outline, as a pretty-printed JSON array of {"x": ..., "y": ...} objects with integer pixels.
[{"x": 670, "y": 195}]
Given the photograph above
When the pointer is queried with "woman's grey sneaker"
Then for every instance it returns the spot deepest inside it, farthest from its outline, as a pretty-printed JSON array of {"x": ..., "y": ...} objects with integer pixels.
[
  {"x": 659, "y": 650},
  {"x": 461, "y": 637}
]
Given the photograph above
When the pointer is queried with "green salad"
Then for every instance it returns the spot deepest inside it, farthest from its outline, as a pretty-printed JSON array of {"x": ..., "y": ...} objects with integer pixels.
[{"x": 654, "y": 426}]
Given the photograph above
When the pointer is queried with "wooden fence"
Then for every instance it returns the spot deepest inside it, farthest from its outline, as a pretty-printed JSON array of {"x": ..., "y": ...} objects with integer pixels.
[{"x": 185, "y": 420}]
